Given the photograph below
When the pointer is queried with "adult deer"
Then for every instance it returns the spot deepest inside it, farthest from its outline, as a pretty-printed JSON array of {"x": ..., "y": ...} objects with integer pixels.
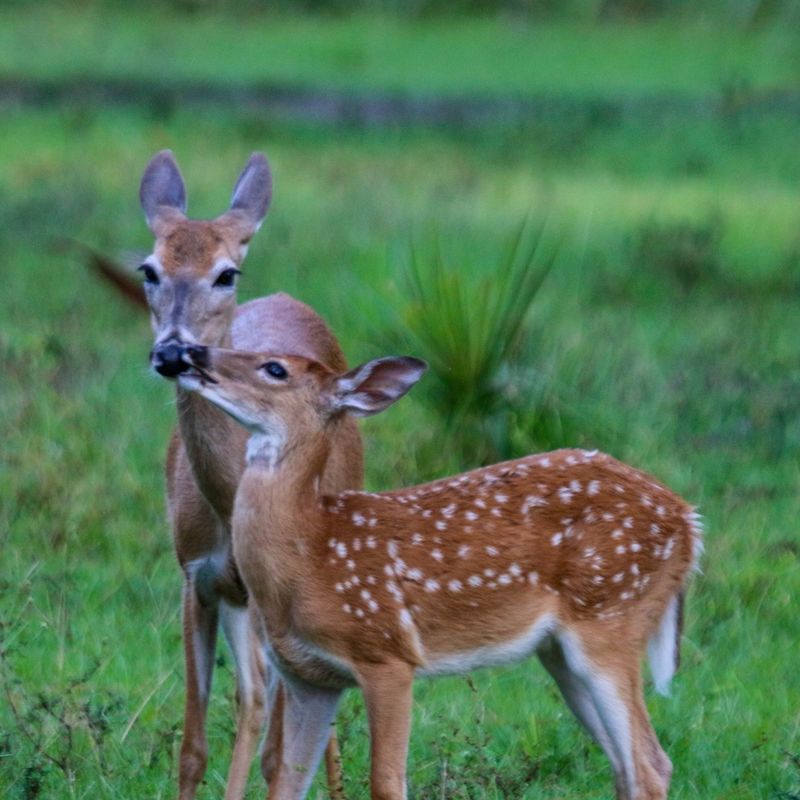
[
  {"x": 571, "y": 554},
  {"x": 190, "y": 284}
]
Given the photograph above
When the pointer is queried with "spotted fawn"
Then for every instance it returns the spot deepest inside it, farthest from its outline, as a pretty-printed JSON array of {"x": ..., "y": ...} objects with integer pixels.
[{"x": 571, "y": 555}]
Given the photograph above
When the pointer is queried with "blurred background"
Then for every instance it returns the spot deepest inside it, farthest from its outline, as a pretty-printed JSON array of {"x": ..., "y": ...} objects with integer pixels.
[{"x": 584, "y": 214}]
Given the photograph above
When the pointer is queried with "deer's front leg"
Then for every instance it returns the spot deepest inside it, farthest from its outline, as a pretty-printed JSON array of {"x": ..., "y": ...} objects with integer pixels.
[
  {"x": 200, "y": 622},
  {"x": 388, "y": 697},
  {"x": 251, "y": 693}
]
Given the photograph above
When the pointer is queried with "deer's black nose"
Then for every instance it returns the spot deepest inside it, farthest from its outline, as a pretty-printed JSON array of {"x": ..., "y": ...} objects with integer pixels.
[{"x": 167, "y": 359}]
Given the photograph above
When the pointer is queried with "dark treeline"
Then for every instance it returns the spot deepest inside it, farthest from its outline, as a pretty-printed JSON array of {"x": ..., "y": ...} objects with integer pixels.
[{"x": 743, "y": 12}]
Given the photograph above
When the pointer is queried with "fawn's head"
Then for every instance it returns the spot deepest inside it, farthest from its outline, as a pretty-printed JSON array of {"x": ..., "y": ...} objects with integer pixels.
[
  {"x": 282, "y": 398},
  {"x": 190, "y": 277}
]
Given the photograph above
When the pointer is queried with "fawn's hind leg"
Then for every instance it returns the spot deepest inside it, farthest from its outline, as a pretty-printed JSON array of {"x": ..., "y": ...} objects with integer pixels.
[{"x": 609, "y": 668}]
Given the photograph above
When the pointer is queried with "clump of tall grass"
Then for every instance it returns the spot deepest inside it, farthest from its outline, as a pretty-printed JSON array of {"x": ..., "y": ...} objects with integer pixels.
[{"x": 473, "y": 327}]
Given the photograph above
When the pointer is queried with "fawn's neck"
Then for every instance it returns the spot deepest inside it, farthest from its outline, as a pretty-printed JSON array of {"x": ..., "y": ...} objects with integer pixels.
[{"x": 278, "y": 512}]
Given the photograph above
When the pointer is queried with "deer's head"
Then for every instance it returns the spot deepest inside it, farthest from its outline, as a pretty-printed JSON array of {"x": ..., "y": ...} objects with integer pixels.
[
  {"x": 190, "y": 277},
  {"x": 284, "y": 399}
]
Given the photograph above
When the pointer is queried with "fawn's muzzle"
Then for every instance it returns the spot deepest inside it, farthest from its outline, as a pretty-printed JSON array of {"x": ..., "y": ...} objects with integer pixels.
[{"x": 195, "y": 357}]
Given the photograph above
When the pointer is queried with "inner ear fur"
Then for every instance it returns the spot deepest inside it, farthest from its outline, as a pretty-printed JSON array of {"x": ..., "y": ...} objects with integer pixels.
[{"x": 372, "y": 387}]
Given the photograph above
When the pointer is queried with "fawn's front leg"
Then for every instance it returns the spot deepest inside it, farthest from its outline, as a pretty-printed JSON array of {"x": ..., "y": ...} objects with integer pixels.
[
  {"x": 388, "y": 697},
  {"x": 299, "y": 729}
]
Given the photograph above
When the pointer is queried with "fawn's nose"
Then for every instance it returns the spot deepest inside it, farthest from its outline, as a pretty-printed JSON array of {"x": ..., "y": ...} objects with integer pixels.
[
  {"x": 196, "y": 355},
  {"x": 167, "y": 358}
]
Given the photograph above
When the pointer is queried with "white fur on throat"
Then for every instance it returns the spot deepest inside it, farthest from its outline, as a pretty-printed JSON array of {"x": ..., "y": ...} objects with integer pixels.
[{"x": 266, "y": 446}]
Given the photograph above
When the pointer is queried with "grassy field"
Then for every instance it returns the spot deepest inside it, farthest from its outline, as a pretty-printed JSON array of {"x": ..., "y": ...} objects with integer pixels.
[
  {"x": 665, "y": 333},
  {"x": 477, "y": 55}
]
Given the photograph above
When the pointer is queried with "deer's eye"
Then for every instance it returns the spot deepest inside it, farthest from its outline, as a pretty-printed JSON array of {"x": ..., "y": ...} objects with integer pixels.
[
  {"x": 150, "y": 275},
  {"x": 226, "y": 278},
  {"x": 275, "y": 370}
]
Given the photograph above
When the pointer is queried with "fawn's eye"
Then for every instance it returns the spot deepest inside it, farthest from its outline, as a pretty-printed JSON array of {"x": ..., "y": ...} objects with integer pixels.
[
  {"x": 226, "y": 278},
  {"x": 275, "y": 370},
  {"x": 150, "y": 275}
]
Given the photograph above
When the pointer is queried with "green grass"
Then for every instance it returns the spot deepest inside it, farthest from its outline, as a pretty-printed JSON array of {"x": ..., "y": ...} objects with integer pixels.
[
  {"x": 362, "y": 52},
  {"x": 664, "y": 333}
]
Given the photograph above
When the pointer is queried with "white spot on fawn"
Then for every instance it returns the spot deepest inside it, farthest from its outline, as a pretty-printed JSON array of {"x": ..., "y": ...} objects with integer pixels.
[
  {"x": 491, "y": 550},
  {"x": 556, "y": 538},
  {"x": 532, "y": 501},
  {"x": 593, "y": 488},
  {"x": 475, "y": 580},
  {"x": 454, "y": 585},
  {"x": 464, "y": 551},
  {"x": 358, "y": 519},
  {"x": 432, "y": 585},
  {"x": 436, "y": 555}
]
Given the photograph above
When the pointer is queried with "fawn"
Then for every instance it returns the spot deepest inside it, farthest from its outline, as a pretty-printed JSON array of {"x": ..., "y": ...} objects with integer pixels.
[
  {"x": 571, "y": 555},
  {"x": 190, "y": 285}
]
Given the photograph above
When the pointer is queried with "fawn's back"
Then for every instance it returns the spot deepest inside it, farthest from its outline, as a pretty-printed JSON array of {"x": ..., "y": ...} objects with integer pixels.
[{"x": 477, "y": 568}]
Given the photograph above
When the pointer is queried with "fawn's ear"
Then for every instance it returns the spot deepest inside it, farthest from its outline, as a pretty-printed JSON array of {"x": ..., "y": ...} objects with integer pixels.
[
  {"x": 374, "y": 386},
  {"x": 162, "y": 192},
  {"x": 252, "y": 194}
]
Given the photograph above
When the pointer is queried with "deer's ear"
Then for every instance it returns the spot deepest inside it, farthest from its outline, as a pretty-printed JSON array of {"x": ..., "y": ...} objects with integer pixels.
[
  {"x": 162, "y": 192},
  {"x": 252, "y": 194},
  {"x": 374, "y": 386}
]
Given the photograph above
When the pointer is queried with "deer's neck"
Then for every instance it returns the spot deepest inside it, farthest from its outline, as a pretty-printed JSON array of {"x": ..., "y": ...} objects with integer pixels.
[{"x": 215, "y": 445}]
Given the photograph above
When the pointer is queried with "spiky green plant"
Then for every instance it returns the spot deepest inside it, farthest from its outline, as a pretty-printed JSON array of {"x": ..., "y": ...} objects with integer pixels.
[{"x": 471, "y": 325}]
